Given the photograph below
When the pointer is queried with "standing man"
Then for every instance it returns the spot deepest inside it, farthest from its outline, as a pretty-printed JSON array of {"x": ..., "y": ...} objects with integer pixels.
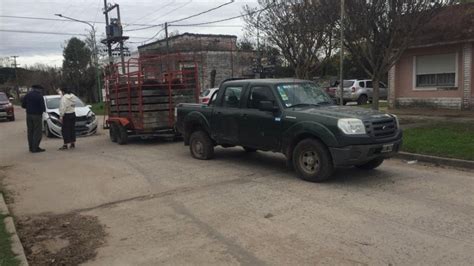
[{"x": 33, "y": 102}]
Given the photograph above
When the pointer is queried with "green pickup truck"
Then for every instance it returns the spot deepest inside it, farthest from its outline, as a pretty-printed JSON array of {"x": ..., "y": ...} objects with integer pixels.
[{"x": 293, "y": 117}]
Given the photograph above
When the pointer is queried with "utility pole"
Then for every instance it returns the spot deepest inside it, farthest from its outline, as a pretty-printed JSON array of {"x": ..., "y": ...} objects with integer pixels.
[
  {"x": 341, "y": 63},
  {"x": 259, "y": 55},
  {"x": 114, "y": 33},
  {"x": 167, "y": 41},
  {"x": 15, "y": 65}
]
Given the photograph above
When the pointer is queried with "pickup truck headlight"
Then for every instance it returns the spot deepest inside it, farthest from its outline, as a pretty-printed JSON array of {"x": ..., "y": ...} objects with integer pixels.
[
  {"x": 396, "y": 120},
  {"x": 351, "y": 126}
]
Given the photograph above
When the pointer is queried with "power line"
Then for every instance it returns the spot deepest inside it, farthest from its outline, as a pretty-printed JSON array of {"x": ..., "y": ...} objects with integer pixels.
[
  {"x": 161, "y": 25},
  {"x": 226, "y": 19},
  {"x": 65, "y": 20},
  {"x": 201, "y": 13},
  {"x": 55, "y": 33},
  {"x": 41, "y": 32},
  {"x": 185, "y": 18},
  {"x": 154, "y": 11}
]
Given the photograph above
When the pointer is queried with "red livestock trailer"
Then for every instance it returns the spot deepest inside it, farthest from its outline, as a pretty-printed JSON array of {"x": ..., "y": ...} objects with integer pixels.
[{"x": 141, "y": 100}]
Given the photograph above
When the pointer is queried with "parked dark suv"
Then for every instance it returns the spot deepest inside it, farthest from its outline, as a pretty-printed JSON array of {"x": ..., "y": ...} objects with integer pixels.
[
  {"x": 293, "y": 117},
  {"x": 6, "y": 108}
]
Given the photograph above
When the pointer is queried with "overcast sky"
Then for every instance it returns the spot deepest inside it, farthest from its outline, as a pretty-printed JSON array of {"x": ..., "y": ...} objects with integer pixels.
[{"x": 47, "y": 48}]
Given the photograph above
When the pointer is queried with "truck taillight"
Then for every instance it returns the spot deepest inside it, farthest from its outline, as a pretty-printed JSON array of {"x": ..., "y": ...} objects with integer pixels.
[{"x": 353, "y": 89}]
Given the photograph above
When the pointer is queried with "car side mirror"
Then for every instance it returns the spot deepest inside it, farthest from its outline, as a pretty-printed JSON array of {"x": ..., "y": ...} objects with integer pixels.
[
  {"x": 267, "y": 106},
  {"x": 11, "y": 99}
]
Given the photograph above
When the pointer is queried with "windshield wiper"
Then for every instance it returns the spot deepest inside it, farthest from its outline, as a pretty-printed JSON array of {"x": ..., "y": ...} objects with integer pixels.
[{"x": 302, "y": 104}]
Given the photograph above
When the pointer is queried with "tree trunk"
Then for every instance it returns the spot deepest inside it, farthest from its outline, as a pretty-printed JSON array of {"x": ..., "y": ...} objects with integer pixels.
[{"x": 375, "y": 93}]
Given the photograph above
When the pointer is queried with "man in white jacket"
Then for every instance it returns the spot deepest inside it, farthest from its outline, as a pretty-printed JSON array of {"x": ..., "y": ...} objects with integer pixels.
[{"x": 67, "y": 112}]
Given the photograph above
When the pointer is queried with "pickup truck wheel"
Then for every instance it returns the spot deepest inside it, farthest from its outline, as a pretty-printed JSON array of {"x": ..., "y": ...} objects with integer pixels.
[
  {"x": 362, "y": 99},
  {"x": 113, "y": 132},
  {"x": 312, "y": 161},
  {"x": 247, "y": 149},
  {"x": 371, "y": 164},
  {"x": 201, "y": 146},
  {"x": 122, "y": 135}
]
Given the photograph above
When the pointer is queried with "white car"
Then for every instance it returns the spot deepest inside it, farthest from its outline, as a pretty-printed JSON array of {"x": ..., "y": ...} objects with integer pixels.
[
  {"x": 359, "y": 91},
  {"x": 206, "y": 95},
  {"x": 86, "y": 122}
]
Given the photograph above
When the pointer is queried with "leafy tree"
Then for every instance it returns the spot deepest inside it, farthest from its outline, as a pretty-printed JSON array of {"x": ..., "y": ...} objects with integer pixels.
[
  {"x": 77, "y": 69},
  {"x": 377, "y": 32},
  {"x": 302, "y": 30}
]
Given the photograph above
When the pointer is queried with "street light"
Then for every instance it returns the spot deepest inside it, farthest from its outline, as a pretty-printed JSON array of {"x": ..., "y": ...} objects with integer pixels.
[{"x": 95, "y": 52}]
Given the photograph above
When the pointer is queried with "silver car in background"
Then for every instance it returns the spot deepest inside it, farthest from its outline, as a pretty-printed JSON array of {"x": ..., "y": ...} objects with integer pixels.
[
  {"x": 357, "y": 90},
  {"x": 86, "y": 122}
]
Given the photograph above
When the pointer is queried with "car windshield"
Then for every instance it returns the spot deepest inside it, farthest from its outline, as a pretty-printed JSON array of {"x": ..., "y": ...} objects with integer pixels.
[
  {"x": 3, "y": 97},
  {"x": 205, "y": 93},
  {"x": 301, "y": 94},
  {"x": 53, "y": 103}
]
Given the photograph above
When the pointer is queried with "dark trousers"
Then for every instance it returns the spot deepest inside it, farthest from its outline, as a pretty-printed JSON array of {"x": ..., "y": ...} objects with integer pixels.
[
  {"x": 69, "y": 128},
  {"x": 34, "y": 124}
]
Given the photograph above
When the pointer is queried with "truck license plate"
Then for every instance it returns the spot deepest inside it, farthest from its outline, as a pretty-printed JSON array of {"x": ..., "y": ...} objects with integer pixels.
[{"x": 387, "y": 148}]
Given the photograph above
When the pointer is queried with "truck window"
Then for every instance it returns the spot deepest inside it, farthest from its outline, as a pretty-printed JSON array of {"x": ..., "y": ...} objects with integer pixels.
[
  {"x": 258, "y": 94},
  {"x": 232, "y": 97}
]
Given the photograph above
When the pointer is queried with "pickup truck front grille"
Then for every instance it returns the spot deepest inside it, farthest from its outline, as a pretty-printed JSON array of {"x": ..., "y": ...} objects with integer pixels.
[{"x": 383, "y": 128}]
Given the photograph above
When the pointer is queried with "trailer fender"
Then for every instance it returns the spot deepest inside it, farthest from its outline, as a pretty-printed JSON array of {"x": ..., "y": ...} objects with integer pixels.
[{"x": 119, "y": 120}]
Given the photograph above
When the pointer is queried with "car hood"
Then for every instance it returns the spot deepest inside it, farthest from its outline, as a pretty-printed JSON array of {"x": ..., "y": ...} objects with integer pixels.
[
  {"x": 337, "y": 112},
  {"x": 80, "y": 111}
]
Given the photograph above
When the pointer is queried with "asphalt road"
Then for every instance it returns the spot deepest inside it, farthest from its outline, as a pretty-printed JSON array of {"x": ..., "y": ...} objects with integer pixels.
[{"x": 160, "y": 206}]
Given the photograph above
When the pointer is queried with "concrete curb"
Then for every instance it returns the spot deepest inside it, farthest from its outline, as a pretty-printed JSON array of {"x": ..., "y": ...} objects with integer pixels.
[
  {"x": 17, "y": 248},
  {"x": 436, "y": 160}
]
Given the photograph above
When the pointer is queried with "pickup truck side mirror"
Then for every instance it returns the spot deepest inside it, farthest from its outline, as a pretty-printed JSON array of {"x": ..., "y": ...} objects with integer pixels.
[{"x": 267, "y": 106}]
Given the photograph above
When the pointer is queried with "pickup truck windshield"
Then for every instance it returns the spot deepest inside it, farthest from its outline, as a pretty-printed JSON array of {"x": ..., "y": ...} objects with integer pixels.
[{"x": 301, "y": 94}]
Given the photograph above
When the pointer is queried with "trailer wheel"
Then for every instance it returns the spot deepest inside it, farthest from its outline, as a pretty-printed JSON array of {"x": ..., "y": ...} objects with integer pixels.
[
  {"x": 201, "y": 145},
  {"x": 113, "y": 132},
  {"x": 122, "y": 136}
]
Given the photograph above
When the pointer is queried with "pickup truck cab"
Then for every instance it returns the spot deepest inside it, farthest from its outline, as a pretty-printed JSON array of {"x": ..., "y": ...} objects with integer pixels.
[{"x": 293, "y": 117}]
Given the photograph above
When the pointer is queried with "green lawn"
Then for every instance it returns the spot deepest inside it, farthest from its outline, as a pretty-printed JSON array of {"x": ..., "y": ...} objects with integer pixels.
[
  {"x": 98, "y": 108},
  {"x": 6, "y": 255},
  {"x": 453, "y": 140}
]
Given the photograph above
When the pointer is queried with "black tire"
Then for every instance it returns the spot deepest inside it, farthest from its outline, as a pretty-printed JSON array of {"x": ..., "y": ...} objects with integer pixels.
[
  {"x": 247, "y": 149},
  {"x": 11, "y": 118},
  {"x": 372, "y": 164},
  {"x": 122, "y": 135},
  {"x": 113, "y": 132},
  {"x": 201, "y": 146},
  {"x": 362, "y": 99},
  {"x": 312, "y": 161},
  {"x": 344, "y": 102},
  {"x": 47, "y": 131}
]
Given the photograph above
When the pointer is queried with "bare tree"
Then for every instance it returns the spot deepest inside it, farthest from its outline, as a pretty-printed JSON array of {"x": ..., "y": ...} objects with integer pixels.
[
  {"x": 301, "y": 29},
  {"x": 377, "y": 32}
]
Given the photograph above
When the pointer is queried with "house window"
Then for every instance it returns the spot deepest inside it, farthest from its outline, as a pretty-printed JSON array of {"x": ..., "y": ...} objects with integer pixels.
[{"x": 436, "y": 70}]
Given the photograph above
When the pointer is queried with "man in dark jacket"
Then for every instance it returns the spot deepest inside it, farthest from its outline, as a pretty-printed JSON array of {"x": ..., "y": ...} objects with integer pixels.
[{"x": 33, "y": 102}]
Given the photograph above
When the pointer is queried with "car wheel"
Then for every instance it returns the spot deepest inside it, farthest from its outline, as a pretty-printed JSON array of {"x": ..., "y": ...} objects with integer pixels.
[
  {"x": 113, "y": 132},
  {"x": 201, "y": 146},
  {"x": 11, "y": 118},
  {"x": 362, "y": 100},
  {"x": 344, "y": 102},
  {"x": 247, "y": 149},
  {"x": 122, "y": 135},
  {"x": 371, "y": 164},
  {"x": 47, "y": 131},
  {"x": 312, "y": 161}
]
